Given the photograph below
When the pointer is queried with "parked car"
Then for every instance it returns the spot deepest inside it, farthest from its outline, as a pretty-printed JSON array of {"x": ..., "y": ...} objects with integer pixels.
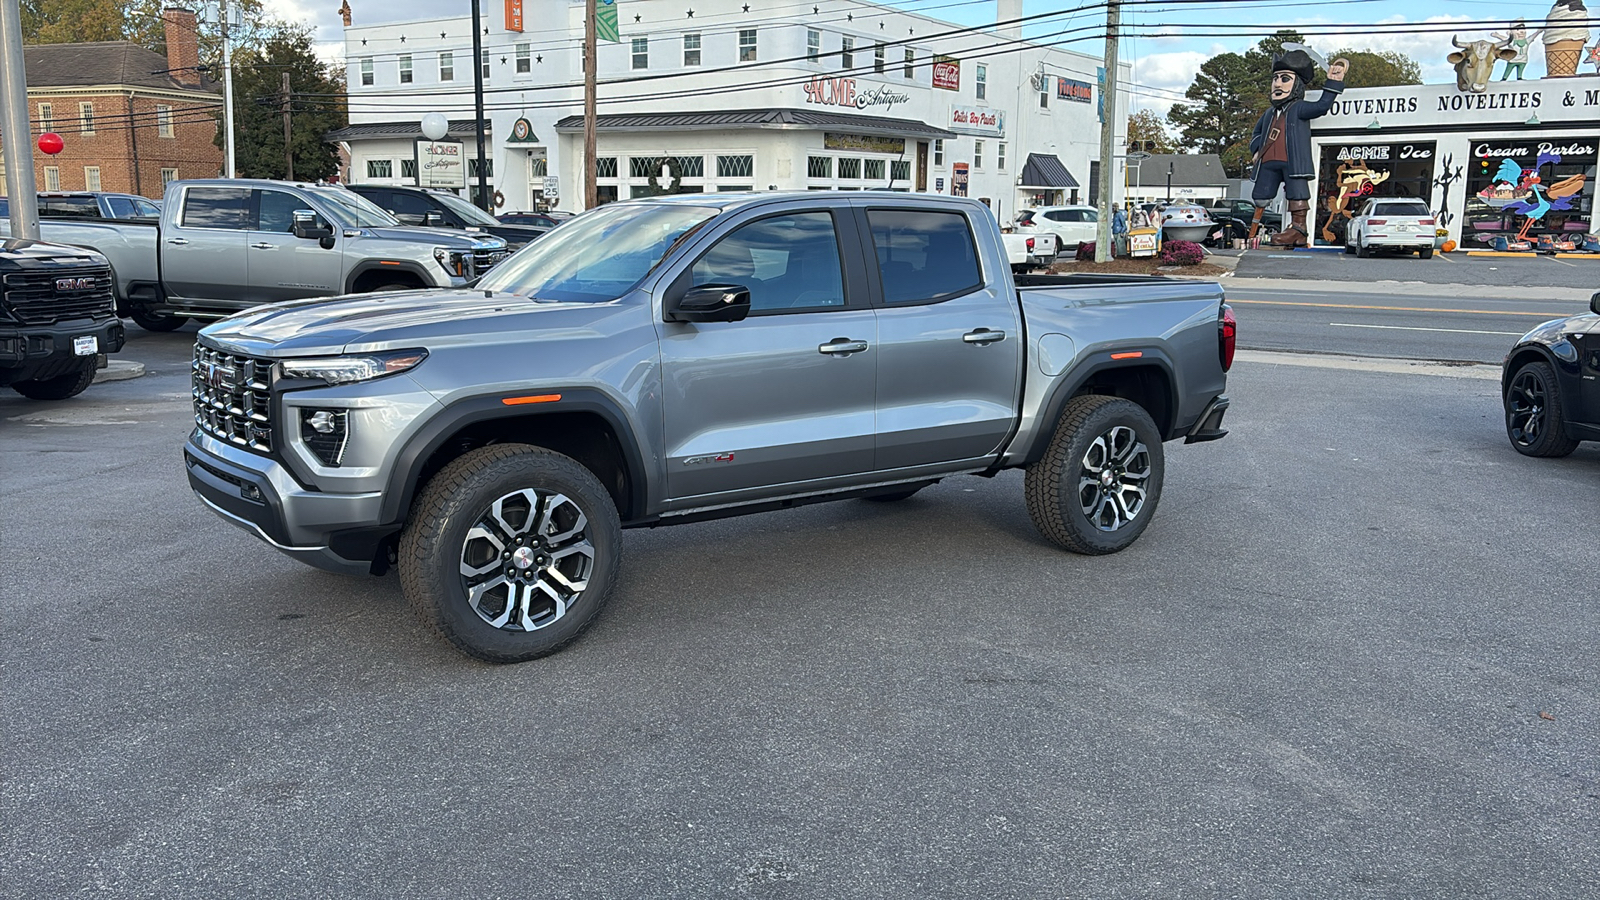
[
  {"x": 1236, "y": 214},
  {"x": 223, "y": 245},
  {"x": 668, "y": 360},
  {"x": 91, "y": 205},
  {"x": 1391, "y": 223},
  {"x": 1550, "y": 385},
  {"x": 1030, "y": 251},
  {"x": 1073, "y": 225},
  {"x": 58, "y": 318},
  {"x": 442, "y": 209},
  {"x": 543, "y": 219}
]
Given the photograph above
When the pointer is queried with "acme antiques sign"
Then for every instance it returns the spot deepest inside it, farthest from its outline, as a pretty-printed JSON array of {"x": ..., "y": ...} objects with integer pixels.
[{"x": 843, "y": 92}]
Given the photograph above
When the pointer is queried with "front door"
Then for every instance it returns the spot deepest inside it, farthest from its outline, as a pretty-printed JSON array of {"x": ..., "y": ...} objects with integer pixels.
[
  {"x": 285, "y": 267},
  {"x": 950, "y": 358},
  {"x": 203, "y": 252},
  {"x": 785, "y": 397}
]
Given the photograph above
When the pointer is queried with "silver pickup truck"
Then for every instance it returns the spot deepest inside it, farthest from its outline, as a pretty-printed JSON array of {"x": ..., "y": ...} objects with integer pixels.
[
  {"x": 223, "y": 245},
  {"x": 675, "y": 359}
]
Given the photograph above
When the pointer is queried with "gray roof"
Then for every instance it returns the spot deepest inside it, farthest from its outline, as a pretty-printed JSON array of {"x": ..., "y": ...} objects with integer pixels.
[
  {"x": 1046, "y": 170},
  {"x": 406, "y": 128},
  {"x": 1188, "y": 169},
  {"x": 759, "y": 118},
  {"x": 102, "y": 62}
]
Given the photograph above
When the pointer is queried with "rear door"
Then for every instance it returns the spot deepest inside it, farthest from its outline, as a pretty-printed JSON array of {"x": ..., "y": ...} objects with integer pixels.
[
  {"x": 203, "y": 250},
  {"x": 786, "y": 396},
  {"x": 950, "y": 360},
  {"x": 282, "y": 266}
]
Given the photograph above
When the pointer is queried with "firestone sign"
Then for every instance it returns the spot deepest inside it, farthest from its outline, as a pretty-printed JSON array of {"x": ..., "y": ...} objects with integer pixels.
[
  {"x": 1069, "y": 89},
  {"x": 843, "y": 92},
  {"x": 980, "y": 121}
]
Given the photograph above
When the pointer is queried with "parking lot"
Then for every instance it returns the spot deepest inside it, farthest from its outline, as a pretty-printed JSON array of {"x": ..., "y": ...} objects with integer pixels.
[{"x": 1352, "y": 657}]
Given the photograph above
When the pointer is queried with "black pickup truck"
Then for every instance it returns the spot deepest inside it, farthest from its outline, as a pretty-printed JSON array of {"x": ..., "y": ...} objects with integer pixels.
[
  {"x": 58, "y": 318},
  {"x": 1236, "y": 214}
]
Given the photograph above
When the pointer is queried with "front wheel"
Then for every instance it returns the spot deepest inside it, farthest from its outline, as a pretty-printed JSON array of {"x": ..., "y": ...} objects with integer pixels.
[
  {"x": 1534, "y": 417},
  {"x": 151, "y": 322},
  {"x": 60, "y": 387},
  {"x": 511, "y": 552},
  {"x": 1097, "y": 486}
]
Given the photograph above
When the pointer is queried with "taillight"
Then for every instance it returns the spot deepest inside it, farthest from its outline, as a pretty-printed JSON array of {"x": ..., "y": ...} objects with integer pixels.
[
  {"x": 1377, "y": 221},
  {"x": 1228, "y": 330},
  {"x": 1030, "y": 244},
  {"x": 1424, "y": 221}
]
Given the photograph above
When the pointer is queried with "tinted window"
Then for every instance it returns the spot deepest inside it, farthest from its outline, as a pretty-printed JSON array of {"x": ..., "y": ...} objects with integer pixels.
[
  {"x": 121, "y": 207},
  {"x": 924, "y": 255},
  {"x": 216, "y": 207},
  {"x": 403, "y": 204},
  {"x": 787, "y": 262},
  {"x": 1401, "y": 209},
  {"x": 146, "y": 208},
  {"x": 277, "y": 211},
  {"x": 64, "y": 207}
]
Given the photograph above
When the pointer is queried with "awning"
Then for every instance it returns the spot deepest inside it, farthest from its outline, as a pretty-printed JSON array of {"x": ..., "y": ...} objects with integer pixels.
[
  {"x": 411, "y": 129},
  {"x": 1045, "y": 170},
  {"x": 804, "y": 119}
]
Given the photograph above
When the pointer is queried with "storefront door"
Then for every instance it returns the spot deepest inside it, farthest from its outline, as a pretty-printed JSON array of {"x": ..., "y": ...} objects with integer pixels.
[
  {"x": 1352, "y": 173},
  {"x": 922, "y": 167}
]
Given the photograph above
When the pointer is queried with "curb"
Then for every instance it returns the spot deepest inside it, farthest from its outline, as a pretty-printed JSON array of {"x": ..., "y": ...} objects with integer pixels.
[{"x": 119, "y": 370}]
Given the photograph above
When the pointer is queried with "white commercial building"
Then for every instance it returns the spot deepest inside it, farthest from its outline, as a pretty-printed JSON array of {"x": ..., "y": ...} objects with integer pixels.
[{"x": 726, "y": 95}]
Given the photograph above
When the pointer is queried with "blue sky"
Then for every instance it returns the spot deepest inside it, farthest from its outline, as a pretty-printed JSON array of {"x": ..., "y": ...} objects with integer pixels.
[{"x": 1164, "y": 55}]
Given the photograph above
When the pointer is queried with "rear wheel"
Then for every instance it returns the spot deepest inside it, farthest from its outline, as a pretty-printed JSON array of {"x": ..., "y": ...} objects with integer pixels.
[
  {"x": 1097, "y": 486},
  {"x": 1362, "y": 250},
  {"x": 1534, "y": 414},
  {"x": 1426, "y": 253},
  {"x": 60, "y": 387},
  {"x": 511, "y": 552}
]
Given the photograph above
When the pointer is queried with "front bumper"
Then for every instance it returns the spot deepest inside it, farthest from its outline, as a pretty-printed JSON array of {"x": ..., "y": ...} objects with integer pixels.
[
  {"x": 333, "y": 532},
  {"x": 30, "y": 352}
]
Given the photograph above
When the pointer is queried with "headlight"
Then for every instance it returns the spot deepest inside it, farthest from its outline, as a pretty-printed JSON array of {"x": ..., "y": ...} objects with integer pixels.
[
  {"x": 456, "y": 262},
  {"x": 350, "y": 369}
]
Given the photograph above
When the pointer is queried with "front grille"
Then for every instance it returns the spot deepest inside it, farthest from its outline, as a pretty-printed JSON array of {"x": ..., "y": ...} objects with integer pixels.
[
  {"x": 233, "y": 398},
  {"x": 484, "y": 260},
  {"x": 59, "y": 294}
]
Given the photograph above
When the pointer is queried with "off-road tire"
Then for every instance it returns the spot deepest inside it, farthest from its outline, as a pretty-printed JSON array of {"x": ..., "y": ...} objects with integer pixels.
[
  {"x": 1535, "y": 414},
  {"x": 435, "y": 543},
  {"x": 60, "y": 387},
  {"x": 151, "y": 322},
  {"x": 1053, "y": 485}
]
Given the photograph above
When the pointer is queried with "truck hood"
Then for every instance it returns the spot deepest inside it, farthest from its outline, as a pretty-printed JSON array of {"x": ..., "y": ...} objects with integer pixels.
[
  {"x": 379, "y": 321},
  {"x": 22, "y": 250},
  {"x": 437, "y": 237}
]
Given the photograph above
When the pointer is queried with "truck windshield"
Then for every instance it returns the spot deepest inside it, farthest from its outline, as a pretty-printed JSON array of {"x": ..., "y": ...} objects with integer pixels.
[
  {"x": 468, "y": 213},
  {"x": 351, "y": 210},
  {"x": 598, "y": 256}
]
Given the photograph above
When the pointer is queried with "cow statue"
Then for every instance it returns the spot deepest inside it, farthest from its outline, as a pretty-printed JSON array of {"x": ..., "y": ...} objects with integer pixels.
[{"x": 1474, "y": 62}]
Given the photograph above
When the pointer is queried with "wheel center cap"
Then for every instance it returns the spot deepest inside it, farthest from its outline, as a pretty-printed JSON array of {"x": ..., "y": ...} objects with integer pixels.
[
  {"x": 522, "y": 558},
  {"x": 1108, "y": 478}
]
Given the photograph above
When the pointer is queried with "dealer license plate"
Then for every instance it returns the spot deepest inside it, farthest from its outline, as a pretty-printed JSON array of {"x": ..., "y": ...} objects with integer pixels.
[{"x": 88, "y": 345}]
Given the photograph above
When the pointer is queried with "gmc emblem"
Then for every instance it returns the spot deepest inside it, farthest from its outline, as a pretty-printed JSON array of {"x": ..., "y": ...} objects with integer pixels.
[{"x": 74, "y": 284}]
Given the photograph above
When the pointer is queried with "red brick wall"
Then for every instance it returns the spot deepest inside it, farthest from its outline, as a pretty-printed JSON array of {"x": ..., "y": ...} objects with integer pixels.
[{"x": 114, "y": 145}]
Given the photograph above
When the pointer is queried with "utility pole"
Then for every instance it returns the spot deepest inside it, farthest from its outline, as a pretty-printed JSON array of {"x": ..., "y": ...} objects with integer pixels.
[
  {"x": 18, "y": 137},
  {"x": 485, "y": 201},
  {"x": 288, "y": 152},
  {"x": 1108, "y": 133},
  {"x": 227, "y": 83},
  {"x": 591, "y": 192}
]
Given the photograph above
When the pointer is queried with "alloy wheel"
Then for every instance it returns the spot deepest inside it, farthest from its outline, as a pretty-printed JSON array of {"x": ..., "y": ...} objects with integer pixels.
[
  {"x": 526, "y": 561},
  {"x": 1525, "y": 408},
  {"x": 1112, "y": 478}
]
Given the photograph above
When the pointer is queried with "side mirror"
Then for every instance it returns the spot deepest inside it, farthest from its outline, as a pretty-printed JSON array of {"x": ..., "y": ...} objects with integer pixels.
[
  {"x": 1594, "y": 304},
  {"x": 711, "y": 303},
  {"x": 410, "y": 219},
  {"x": 433, "y": 219},
  {"x": 308, "y": 228}
]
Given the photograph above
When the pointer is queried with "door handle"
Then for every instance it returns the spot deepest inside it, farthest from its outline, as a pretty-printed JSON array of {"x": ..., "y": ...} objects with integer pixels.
[
  {"x": 842, "y": 347},
  {"x": 177, "y": 240},
  {"x": 983, "y": 336},
  {"x": 263, "y": 245}
]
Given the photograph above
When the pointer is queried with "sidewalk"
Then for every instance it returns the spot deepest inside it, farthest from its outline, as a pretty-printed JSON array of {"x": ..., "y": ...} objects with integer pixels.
[{"x": 119, "y": 370}]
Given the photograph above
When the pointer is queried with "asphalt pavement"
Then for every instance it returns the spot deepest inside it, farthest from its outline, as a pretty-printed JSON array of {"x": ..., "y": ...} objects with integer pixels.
[
  {"x": 1354, "y": 656},
  {"x": 1523, "y": 276}
]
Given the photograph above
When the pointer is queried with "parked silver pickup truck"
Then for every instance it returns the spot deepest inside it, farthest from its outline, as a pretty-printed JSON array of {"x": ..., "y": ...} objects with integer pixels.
[
  {"x": 670, "y": 360},
  {"x": 224, "y": 245}
]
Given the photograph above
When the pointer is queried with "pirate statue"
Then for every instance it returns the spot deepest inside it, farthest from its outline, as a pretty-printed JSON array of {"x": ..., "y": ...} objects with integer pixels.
[{"x": 1282, "y": 141}]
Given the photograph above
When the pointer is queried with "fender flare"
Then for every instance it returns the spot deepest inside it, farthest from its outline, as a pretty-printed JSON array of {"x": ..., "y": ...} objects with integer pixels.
[
  {"x": 1068, "y": 383},
  {"x": 371, "y": 265}
]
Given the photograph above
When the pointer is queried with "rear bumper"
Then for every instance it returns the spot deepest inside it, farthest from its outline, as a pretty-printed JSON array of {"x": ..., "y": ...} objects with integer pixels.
[
  {"x": 46, "y": 351},
  {"x": 1209, "y": 426},
  {"x": 1417, "y": 240}
]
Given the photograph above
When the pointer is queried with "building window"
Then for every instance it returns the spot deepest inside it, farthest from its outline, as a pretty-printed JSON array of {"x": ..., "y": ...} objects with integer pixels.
[
  {"x": 168, "y": 176},
  {"x": 524, "y": 59},
  {"x": 847, "y": 54},
  {"x": 878, "y": 59},
  {"x": 691, "y": 49},
  {"x": 849, "y": 167},
  {"x": 52, "y": 178},
  {"x": 405, "y": 68},
  {"x": 366, "y": 71},
  {"x": 819, "y": 167},
  {"x": 47, "y": 118},
  {"x": 981, "y": 82},
  {"x": 86, "y": 118},
  {"x": 747, "y": 45},
  {"x": 899, "y": 170},
  {"x": 380, "y": 168},
  {"x": 91, "y": 178},
  {"x": 873, "y": 170},
  {"x": 447, "y": 66},
  {"x": 483, "y": 63},
  {"x": 605, "y": 167},
  {"x": 408, "y": 169},
  {"x": 813, "y": 45},
  {"x": 938, "y": 152},
  {"x": 472, "y": 167},
  {"x": 1000, "y": 157},
  {"x": 911, "y": 60},
  {"x": 641, "y": 53},
  {"x": 736, "y": 166},
  {"x": 1044, "y": 93},
  {"x": 977, "y": 154},
  {"x": 164, "y": 122}
]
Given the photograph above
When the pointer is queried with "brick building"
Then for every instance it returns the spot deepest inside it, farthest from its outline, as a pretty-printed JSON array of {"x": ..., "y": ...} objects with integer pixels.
[{"x": 131, "y": 118}]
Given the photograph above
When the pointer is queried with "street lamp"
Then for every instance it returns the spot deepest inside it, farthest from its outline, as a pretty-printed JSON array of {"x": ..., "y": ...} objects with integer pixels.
[
  {"x": 1170, "y": 167},
  {"x": 435, "y": 126}
]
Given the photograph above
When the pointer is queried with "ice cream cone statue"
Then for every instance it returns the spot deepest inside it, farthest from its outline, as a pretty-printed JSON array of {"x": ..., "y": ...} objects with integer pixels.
[{"x": 1566, "y": 31}]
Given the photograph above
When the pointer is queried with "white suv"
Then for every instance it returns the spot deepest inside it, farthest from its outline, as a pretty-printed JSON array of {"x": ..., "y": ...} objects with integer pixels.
[
  {"x": 1395, "y": 223},
  {"x": 1071, "y": 224}
]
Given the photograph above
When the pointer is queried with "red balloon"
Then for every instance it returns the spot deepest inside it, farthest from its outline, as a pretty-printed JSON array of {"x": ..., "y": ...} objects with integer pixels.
[{"x": 51, "y": 143}]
